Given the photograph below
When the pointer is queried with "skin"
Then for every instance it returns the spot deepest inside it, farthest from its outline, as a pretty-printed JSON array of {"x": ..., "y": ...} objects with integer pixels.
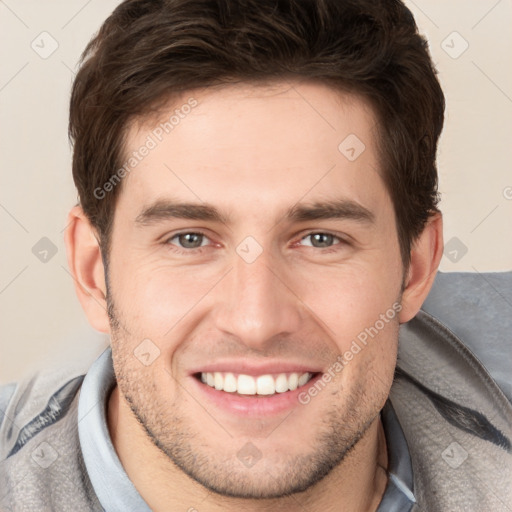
[{"x": 253, "y": 152}]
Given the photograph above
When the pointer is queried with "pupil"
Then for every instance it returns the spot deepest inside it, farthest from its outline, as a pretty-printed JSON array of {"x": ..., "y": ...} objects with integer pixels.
[
  {"x": 190, "y": 240},
  {"x": 322, "y": 240}
]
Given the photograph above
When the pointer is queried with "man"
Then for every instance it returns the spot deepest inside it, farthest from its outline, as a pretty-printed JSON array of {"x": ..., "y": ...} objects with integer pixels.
[{"x": 258, "y": 215}]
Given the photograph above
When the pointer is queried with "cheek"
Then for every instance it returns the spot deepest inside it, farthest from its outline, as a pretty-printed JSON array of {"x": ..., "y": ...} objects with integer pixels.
[
  {"x": 155, "y": 298},
  {"x": 349, "y": 300}
]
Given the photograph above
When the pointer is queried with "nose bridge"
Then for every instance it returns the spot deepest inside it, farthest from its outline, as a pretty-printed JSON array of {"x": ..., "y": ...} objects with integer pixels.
[{"x": 256, "y": 305}]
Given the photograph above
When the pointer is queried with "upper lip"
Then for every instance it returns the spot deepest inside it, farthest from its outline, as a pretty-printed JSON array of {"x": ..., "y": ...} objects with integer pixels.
[{"x": 246, "y": 367}]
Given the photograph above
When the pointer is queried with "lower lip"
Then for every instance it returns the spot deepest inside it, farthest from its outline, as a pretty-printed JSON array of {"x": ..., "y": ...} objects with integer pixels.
[{"x": 254, "y": 405}]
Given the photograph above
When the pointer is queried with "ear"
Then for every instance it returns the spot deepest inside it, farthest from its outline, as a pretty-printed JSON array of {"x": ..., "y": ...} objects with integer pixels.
[
  {"x": 426, "y": 255},
  {"x": 86, "y": 266}
]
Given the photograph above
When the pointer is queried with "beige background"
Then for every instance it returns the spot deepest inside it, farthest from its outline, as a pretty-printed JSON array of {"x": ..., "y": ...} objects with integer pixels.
[{"x": 41, "y": 319}]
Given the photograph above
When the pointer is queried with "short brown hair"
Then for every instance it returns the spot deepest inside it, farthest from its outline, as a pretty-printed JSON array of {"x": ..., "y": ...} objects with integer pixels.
[{"x": 148, "y": 51}]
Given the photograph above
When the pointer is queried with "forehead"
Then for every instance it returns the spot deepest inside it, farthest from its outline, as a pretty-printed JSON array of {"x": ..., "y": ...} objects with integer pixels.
[{"x": 244, "y": 145}]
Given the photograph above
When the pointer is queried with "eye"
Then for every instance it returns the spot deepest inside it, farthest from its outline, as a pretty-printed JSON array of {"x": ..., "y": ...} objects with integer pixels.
[
  {"x": 189, "y": 240},
  {"x": 320, "y": 240}
]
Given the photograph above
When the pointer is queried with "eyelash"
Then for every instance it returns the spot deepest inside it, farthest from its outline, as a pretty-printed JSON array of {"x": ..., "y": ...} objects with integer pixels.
[
  {"x": 199, "y": 250},
  {"x": 182, "y": 250}
]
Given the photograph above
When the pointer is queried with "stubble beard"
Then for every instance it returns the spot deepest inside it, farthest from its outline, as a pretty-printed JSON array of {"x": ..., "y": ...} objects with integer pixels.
[{"x": 219, "y": 469}]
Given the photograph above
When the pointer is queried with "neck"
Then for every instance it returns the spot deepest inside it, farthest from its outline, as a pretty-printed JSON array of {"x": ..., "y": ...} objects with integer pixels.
[{"x": 357, "y": 484}]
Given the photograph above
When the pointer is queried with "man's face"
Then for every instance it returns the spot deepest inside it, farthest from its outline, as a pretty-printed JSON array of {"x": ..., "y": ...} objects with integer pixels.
[{"x": 247, "y": 242}]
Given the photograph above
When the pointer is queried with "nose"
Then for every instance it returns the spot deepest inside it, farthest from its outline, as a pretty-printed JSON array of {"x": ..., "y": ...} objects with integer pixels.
[{"x": 257, "y": 304}]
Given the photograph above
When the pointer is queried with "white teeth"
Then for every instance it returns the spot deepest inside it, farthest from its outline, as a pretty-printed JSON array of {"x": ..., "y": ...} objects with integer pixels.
[
  {"x": 249, "y": 385},
  {"x": 303, "y": 379},
  {"x": 218, "y": 381},
  {"x": 282, "y": 383},
  {"x": 293, "y": 381},
  {"x": 265, "y": 385},
  {"x": 246, "y": 385},
  {"x": 230, "y": 384}
]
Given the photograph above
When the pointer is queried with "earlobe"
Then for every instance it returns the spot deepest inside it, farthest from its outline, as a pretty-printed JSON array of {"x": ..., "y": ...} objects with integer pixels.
[
  {"x": 86, "y": 266},
  {"x": 426, "y": 255}
]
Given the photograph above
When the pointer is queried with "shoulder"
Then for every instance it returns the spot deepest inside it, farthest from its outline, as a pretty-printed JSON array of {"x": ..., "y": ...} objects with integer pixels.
[
  {"x": 453, "y": 358},
  {"x": 477, "y": 308},
  {"x": 41, "y": 462},
  {"x": 34, "y": 403}
]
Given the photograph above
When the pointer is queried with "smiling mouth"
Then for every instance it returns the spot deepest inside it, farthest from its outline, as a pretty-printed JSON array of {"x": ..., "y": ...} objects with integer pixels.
[{"x": 248, "y": 385}]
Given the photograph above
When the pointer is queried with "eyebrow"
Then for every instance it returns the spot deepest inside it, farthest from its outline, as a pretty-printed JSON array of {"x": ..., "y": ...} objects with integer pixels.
[
  {"x": 340, "y": 209},
  {"x": 168, "y": 209},
  {"x": 163, "y": 210}
]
